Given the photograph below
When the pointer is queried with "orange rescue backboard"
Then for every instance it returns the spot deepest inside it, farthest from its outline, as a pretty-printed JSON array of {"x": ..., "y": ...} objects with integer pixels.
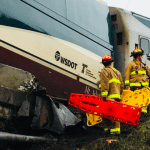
[{"x": 109, "y": 109}]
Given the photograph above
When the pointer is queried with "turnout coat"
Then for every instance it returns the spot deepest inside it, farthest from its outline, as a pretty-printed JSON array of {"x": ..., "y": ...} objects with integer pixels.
[
  {"x": 111, "y": 83},
  {"x": 135, "y": 74}
]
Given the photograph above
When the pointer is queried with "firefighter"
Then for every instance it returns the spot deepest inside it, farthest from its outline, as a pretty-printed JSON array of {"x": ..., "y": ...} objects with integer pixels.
[
  {"x": 135, "y": 73},
  {"x": 111, "y": 88}
]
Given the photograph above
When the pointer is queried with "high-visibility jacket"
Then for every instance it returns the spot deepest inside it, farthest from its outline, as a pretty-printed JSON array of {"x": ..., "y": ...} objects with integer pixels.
[
  {"x": 111, "y": 83},
  {"x": 135, "y": 74}
]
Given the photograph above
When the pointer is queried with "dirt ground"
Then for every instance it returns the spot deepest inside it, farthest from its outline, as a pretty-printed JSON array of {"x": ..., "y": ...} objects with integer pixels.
[{"x": 93, "y": 138}]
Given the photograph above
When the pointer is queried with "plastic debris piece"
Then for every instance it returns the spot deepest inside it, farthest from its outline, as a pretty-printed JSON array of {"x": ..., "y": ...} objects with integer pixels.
[{"x": 111, "y": 140}]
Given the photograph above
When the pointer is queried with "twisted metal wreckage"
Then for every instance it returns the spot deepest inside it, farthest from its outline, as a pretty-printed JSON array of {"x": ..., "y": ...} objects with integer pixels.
[{"x": 22, "y": 97}]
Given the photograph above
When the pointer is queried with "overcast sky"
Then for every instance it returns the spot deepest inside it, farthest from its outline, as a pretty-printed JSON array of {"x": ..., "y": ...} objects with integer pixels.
[{"x": 141, "y": 7}]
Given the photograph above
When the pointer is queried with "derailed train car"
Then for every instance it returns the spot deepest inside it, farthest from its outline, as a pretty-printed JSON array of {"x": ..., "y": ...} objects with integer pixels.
[
  {"x": 43, "y": 56},
  {"x": 130, "y": 30},
  {"x": 60, "y": 49},
  {"x": 64, "y": 48},
  {"x": 60, "y": 66}
]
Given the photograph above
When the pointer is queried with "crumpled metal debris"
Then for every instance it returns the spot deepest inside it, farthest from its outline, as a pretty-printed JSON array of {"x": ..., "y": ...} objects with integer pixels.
[
  {"x": 51, "y": 116},
  {"x": 29, "y": 86},
  {"x": 24, "y": 109},
  {"x": 26, "y": 98}
]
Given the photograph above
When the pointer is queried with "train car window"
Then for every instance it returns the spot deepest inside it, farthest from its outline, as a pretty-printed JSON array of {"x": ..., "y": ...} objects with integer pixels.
[
  {"x": 145, "y": 45},
  {"x": 113, "y": 17},
  {"x": 119, "y": 38}
]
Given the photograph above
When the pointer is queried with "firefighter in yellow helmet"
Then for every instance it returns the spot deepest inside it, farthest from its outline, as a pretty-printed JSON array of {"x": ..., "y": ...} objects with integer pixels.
[
  {"x": 135, "y": 73},
  {"x": 111, "y": 84}
]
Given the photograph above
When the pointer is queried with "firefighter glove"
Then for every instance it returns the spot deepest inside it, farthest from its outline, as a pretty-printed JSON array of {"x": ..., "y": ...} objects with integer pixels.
[{"x": 104, "y": 98}]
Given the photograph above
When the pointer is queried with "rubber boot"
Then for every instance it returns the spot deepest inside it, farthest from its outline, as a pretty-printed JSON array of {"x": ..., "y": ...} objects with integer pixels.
[{"x": 115, "y": 128}]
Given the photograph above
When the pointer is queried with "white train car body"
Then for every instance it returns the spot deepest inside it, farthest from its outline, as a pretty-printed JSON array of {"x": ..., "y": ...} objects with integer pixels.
[{"x": 130, "y": 30}]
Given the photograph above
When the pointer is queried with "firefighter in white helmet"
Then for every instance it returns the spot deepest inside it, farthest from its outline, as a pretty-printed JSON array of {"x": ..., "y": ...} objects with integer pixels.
[{"x": 111, "y": 85}]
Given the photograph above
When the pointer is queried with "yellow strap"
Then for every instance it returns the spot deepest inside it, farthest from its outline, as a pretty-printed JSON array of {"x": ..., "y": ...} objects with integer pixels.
[
  {"x": 126, "y": 81},
  {"x": 114, "y": 96},
  {"x": 114, "y": 80},
  {"x": 115, "y": 130},
  {"x": 138, "y": 72},
  {"x": 104, "y": 93}
]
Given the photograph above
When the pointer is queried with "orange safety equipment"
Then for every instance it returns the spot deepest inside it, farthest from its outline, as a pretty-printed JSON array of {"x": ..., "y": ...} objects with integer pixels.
[
  {"x": 106, "y": 58},
  {"x": 137, "y": 51},
  {"x": 109, "y": 109}
]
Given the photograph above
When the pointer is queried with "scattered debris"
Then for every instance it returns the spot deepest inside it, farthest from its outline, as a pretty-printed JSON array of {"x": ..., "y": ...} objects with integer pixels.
[{"x": 111, "y": 140}]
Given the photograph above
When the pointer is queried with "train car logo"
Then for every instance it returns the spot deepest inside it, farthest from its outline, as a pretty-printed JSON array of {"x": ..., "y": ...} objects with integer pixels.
[
  {"x": 65, "y": 61},
  {"x": 57, "y": 56}
]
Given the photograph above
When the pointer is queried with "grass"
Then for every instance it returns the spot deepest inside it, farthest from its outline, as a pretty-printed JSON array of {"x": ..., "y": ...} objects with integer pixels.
[{"x": 137, "y": 139}]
